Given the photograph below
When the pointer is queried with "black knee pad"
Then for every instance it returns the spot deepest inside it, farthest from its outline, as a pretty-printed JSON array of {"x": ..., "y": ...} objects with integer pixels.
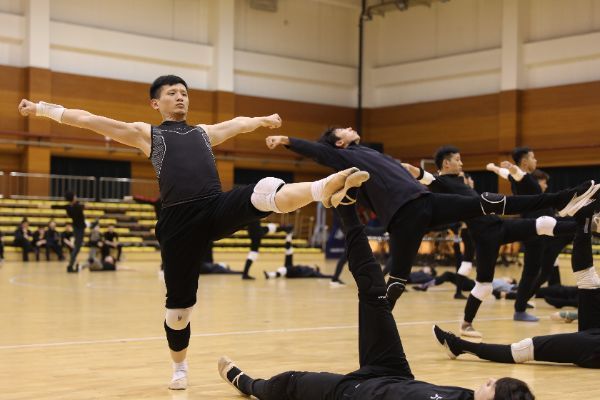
[
  {"x": 178, "y": 339},
  {"x": 492, "y": 203}
]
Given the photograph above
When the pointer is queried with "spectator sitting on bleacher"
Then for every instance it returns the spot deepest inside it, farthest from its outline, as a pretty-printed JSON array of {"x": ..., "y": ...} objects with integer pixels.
[
  {"x": 53, "y": 241},
  {"x": 39, "y": 241},
  {"x": 67, "y": 238},
  {"x": 111, "y": 241},
  {"x": 23, "y": 239}
]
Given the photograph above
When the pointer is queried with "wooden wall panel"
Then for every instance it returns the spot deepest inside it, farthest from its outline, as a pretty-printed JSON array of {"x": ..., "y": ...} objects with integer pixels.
[
  {"x": 415, "y": 131},
  {"x": 12, "y": 90},
  {"x": 561, "y": 117},
  {"x": 561, "y": 123},
  {"x": 303, "y": 120}
]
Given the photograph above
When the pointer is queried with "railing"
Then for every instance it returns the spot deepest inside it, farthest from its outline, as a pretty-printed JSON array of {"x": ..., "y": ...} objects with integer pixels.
[
  {"x": 114, "y": 189},
  {"x": 22, "y": 185}
]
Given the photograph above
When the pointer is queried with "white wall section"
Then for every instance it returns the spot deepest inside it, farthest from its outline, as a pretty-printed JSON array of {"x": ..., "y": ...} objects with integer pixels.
[{"x": 308, "y": 49}]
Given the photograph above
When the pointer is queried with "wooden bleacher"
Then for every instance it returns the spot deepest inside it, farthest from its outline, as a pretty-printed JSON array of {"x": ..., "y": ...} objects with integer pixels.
[{"x": 133, "y": 222}]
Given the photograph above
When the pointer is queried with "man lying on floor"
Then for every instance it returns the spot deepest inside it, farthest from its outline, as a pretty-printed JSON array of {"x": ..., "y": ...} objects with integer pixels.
[
  {"x": 384, "y": 372},
  {"x": 581, "y": 348}
]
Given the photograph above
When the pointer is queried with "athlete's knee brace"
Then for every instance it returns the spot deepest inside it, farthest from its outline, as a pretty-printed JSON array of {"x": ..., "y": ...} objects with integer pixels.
[
  {"x": 263, "y": 197},
  {"x": 482, "y": 290},
  {"x": 492, "y": 203},
  {"x": 522, "y": 351},
  {"x": 177, "y": 327},
  {"x": 545, "y": 225}
]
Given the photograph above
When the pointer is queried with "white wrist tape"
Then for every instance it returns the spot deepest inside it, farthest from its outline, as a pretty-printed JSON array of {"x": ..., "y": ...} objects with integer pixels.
[
  {"x": 517, "y": 176},
  {"x": 49, "y": 110},
  {"x": 503, "y": 172},
  {"x": 427, "y": 178}
]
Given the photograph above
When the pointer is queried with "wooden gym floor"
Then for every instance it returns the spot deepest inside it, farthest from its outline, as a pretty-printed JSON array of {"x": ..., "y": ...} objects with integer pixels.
[{"x": 100, "y": 335}]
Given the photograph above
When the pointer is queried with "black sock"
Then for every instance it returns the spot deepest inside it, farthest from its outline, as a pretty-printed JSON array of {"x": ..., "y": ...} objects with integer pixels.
[
  {"x": 244, "y": 382},
  {"x": 471, "y": 308},
  {"x": 247, "y": 266},
  {"x": 492, "y": 352}
]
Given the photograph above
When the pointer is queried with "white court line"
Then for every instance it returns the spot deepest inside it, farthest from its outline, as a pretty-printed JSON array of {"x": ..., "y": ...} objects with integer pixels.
[{"x": 232, "y": 333}]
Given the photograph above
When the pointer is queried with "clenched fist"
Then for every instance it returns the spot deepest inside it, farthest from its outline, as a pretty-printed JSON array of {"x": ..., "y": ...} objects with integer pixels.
[
  {"x": 274, "y": 141},
  {"x": 272, "y": 121},
  {"x": 27, "y": 108}
]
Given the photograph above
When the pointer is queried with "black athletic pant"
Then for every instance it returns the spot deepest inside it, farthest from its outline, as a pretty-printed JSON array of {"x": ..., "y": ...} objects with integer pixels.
[
  {"x": 339, "y": 267},
  {"x": 469, "y": 247},
  {"x": 581, "y": 348},
  {"x": 105, "y": 250},
  {"x": 465, "y": 283},
  {"x": 380, "y": 348},
  {"x": 26, "y": 248},
  {"x": 57, "y": 248},
  {"x": 540, "y": 254},
  {"x": 489, "y": 240},
  {"x": 78, "y": 235},
  {"x": 553, "y": 246},
  {"x": 414, "y": 219}
]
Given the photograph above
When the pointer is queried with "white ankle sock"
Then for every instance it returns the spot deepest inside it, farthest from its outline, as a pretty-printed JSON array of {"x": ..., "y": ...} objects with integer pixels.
[
  {"x": 272, "y": 228},
  {"x": 282, "y": 271},
  {"x": 180, "y": 370},
  {"x": 545, "y": 226},
  {"x": 465, "y": 268},
  {"x": 317, "y": 187},
  {"x": 587, "y": 279}
]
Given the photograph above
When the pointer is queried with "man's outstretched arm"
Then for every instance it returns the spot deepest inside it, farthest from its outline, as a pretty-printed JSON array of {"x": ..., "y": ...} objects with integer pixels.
[
  {"x": 134, "y": 134},
  {"x": 323, "y": 154},
  {"x": 218, "y": 133}
]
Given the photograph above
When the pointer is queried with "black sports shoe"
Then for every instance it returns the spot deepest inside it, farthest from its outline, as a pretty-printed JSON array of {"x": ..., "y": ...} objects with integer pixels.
[
  {"x": 248, "y": 277},
  {"x": 460, "y": 296},
  {"x": 448, "y": 341}
]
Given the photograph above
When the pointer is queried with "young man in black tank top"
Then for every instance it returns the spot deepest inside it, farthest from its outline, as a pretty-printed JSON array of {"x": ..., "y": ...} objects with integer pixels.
[{"x": 195, "y": 210}]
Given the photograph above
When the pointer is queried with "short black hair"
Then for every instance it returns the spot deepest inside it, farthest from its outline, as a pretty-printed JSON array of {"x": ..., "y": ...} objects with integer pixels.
[
  {"x": 329, "y": 137},
  {"x": 69, "y": 196},
  {"x": 519, "y": 152},
  {"x": 540, "y": 175},
  {"x": 444, "y": 153},
  {"x": 165, "y": 80},
  {"x": 512, "y": 389}
]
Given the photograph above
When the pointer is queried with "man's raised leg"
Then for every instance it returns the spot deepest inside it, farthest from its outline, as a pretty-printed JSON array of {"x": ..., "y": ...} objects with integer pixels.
[
  {"x": 379, "y": 341},
  {"x": 274, "y": 195}
]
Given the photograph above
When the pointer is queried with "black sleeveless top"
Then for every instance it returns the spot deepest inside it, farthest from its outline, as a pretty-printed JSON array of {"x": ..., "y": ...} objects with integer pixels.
[{"x": 184, "y": 163}]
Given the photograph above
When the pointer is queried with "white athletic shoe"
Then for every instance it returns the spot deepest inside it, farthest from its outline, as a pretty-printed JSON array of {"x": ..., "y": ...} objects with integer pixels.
[
  {"x": 579, "y": 201},
  {"x": 469, "y": 331},
  {"x": 179, "y": 381}
]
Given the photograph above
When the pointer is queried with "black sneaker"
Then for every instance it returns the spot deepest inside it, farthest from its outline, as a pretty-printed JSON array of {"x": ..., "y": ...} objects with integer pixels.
[
  {"x": 459, "y": 296},
  {"x": 231, "y": 374},
  {"x": 248, "y": 277},
  {"x": 448, "y": 341}
]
